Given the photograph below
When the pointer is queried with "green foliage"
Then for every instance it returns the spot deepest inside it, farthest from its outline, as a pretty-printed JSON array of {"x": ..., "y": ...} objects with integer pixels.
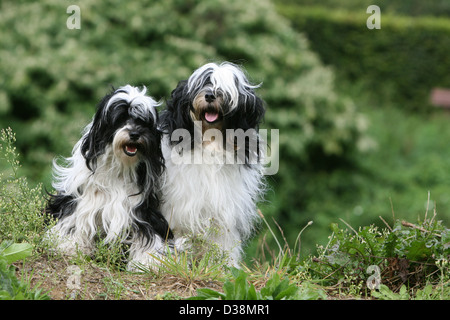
[
  {"x": 403, "y": 61},
  {"x": 10, "y": 287},
  {"x": 21, "y": 219},
  {"x": 411, "y": 158},
  {"x": 111, "y": 255},
  {"x": 402, "y": 7},
  {"x": 428, "y": 241},
  {"x": 407, "y": 254},
  {"x": 191, "y": 269},
  {"x": 11, "y": 252},
  {"x": 237, "y": 290},
  {"x": 276, "y": 288},
  {"x": 21, "y": 206},
  {"x": 200, "y": 261},
  {"x": 385, "y": 293},
  {"x": 429, "y": 292}
]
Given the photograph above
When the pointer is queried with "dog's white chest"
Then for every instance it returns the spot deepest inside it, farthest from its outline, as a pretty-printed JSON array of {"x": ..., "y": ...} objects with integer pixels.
[{"x": 197, "y": 196}]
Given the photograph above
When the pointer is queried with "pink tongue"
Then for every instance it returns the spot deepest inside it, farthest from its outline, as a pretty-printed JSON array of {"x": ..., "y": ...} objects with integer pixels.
[{"x": 211, "y": 117}]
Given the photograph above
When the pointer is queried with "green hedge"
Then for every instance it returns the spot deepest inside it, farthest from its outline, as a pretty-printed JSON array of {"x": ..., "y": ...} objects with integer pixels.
[
  {"x": 402, "y": 61},
  {"x": 402, "y": 7}
]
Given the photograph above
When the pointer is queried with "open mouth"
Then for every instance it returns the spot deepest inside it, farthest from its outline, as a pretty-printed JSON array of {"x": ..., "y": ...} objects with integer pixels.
[
  {"x": 211, "y": 116},
  {"x": 130, "y": 150}
]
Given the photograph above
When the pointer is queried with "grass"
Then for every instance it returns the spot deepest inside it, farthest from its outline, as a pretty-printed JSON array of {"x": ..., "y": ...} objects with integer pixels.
[{"x": 404, "y": 260}]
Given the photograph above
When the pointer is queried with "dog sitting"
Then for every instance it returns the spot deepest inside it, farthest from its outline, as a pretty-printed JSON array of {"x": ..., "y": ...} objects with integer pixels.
[
  {"x": 211, "y": 146},
  {"x": 107, "y": 188}
]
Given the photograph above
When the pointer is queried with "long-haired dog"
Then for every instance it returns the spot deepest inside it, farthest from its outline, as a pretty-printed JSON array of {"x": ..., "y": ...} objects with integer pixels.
[
  {"x": 211, "y": 145},
  {"x": 107, "y": 188}
]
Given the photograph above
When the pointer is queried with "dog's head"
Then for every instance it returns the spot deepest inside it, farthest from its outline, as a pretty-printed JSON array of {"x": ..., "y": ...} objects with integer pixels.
[
  {"x": 126, "y": 120},
  {"x": 219, "y": 96}
]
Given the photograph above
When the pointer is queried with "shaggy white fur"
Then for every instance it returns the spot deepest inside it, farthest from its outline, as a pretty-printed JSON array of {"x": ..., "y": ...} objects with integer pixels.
[{"x": 215, "y": 200}]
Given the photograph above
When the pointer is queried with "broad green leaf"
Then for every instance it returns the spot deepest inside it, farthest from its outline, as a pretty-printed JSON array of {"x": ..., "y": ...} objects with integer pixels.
[
  {"x": 16, "y": 251},
  {"x": 418, "y": 250},
  {"x": 287, "y": 293},
  {"x": 207, "y": 294},
  {"x": 228, "y": 289},
  {"x": 252, "y": 294}
]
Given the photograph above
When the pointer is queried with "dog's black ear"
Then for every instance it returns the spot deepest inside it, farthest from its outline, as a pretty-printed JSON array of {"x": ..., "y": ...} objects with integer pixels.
[
  {"x": 254, "y": 111},
  {"x": 248, "y": 115},
  {"x": 91, "y": 146},
  {"x": 94, "y": 143},
  {"x": 177, "y": 113}
]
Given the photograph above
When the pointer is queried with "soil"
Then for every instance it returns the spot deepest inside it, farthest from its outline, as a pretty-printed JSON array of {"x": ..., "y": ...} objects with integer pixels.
[{"x": 63, "y": 280}]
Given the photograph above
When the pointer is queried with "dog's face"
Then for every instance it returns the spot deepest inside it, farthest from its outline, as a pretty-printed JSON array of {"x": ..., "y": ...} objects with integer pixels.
[
  {"x": 217, "y": 92},
  {"x": 217, "y": 96},
  {"x": 126, "y": 120},
  {"x": 133, "y": 140},
  {"x": 208, "y": 106}
]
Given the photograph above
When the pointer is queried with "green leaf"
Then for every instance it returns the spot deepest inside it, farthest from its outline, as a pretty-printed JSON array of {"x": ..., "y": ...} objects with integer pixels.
[
  {"x": 287, "y": 293},
  {"x": 228, "y": 289},
  {"x": 389, "y": 247},
  {"x": 207, "y": 294},
  {"x": 277, "y": 289},
  {"x": 308, "y": 291},
  {"x": 12, "y": 252},
  {"x": 418, "y": 250},
  {"x": 241, "y": 286},
  {"x": 385, "y": 293},
  {"x": 281, "y": 286},
  {"x": 6, "y": 280},
  {"x": 252, "y": 294}
]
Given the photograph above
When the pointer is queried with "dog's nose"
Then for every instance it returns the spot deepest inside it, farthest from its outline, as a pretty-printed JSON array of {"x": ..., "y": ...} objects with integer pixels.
[
  {"x": 134, "y": 135},
  {"x": 209, "y": 96}
]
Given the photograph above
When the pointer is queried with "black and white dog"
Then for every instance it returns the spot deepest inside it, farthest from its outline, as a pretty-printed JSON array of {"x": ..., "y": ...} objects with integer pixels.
[
  {"x": 211, "y": 146},
  {"x": 108, "y": 187}
]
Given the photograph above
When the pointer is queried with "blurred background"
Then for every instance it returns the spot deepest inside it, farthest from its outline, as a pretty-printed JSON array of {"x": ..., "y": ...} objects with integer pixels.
[{"x": 359, "y": 135}]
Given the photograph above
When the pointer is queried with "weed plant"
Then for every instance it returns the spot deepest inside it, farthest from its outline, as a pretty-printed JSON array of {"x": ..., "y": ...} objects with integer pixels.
[
  {"x": 201, "y": 261},
  {"x": 21, "y": 218},
  {"x": 407, "y": 256},
  {"x": 277, "y": 287}
]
